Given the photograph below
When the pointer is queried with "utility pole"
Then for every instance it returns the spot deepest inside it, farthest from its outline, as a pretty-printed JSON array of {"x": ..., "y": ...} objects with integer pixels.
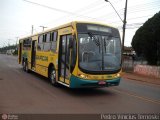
[
  {"x": 32, "y": 30},
  {"x": 124, "y": 25},
  {"x": 124, "y": 21},
  {"x": 43, "y": 27}
]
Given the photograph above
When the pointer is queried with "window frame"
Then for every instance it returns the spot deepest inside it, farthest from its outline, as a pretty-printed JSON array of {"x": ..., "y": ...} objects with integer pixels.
[
  {"x": 40, "y": 42},
  {"x": 48, "y": 38}
]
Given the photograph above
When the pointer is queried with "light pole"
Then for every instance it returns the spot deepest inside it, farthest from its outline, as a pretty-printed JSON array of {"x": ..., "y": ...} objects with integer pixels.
[
  {"x": 124, "y": 21},
  {"x": 32, "y": 30},
  {"x": 43, "y": 27}
]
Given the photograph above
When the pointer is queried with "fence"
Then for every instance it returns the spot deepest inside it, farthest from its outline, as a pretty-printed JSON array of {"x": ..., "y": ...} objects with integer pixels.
[
  {"x": 140, "y": 67},
  {"x": 147, "y": 70}
]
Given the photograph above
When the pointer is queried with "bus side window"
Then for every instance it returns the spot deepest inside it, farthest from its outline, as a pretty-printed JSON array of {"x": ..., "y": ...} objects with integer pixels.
[
  {"x": 27, "y": 44},
  {"x": 54, "y": 41},
  {"x": 47, "y": 42},
  {"x": 40, "y": 43}
]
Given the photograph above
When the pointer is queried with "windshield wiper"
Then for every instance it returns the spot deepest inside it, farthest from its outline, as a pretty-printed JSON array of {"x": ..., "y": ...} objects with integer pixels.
[
  {"x": 96, "y": 40},
  {"x": 106, "y": 42}
]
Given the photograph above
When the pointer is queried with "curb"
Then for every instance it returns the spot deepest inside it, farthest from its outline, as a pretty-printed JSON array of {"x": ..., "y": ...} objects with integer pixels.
[{"x": 140, "y": 78}]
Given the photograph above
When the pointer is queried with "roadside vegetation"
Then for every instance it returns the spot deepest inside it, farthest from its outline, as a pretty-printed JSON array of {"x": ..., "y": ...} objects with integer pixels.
[
  {"x": 146, "y": 41},
  {"x": 9, "y": 50}
]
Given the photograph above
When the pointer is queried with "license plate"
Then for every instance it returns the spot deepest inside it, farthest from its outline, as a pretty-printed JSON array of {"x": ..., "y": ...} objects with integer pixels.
[{"x": 101, "y": 82}]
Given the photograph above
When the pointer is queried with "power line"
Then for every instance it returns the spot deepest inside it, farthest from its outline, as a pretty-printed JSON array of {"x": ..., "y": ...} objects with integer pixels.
[
  {"x": 130, "y": 12},
  {"x": 58, "y": 10},
  {"x": 78, "y": 15},
  {"x": 86, "y": 8},
  {"x": 128, "y": 19},
  {"x": 146, "y": 4},
  {"x": 134, "y": 9},
  {"x": 96, "y": 7},
  {"x": 145, "y": 9}
]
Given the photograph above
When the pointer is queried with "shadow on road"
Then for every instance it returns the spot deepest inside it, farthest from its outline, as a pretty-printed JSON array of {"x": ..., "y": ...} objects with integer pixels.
[
  {"x": 89, "y": 92},
  {"x": 79, "y": 92}
]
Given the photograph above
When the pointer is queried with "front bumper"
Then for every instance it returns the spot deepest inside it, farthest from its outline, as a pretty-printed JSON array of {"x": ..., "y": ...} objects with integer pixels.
[{"x": 76, "y": 82}]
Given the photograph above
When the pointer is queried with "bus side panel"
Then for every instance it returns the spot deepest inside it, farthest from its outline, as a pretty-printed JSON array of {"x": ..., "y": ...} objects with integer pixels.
[{"x": 43, "y": 59}]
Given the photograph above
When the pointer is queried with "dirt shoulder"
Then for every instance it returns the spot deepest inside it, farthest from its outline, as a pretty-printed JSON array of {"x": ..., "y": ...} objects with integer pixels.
[{"x": 142, "y": 78}]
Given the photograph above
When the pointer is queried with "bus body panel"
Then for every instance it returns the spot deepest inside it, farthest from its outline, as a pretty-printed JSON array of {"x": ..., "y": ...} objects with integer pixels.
[{"x": 73, "y": 79}]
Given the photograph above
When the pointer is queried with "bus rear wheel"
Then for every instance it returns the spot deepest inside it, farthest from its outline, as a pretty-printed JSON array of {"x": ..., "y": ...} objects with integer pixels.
[{"x": 52, "y": 76}]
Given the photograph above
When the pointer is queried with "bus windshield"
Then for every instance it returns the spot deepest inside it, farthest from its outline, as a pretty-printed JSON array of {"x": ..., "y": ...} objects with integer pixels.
[{"x": 99, "y": 52}]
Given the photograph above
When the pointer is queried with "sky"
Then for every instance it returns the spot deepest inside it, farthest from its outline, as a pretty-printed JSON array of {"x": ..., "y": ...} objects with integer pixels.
[{"x": 18, "y": 16}]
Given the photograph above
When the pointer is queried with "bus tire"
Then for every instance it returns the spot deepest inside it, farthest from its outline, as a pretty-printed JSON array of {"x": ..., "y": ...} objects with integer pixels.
[{"x": 52, "y": 76}]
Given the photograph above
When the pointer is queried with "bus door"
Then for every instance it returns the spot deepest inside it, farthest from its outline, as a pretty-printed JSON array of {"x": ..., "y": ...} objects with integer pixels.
[
  {"x": 33, "y": 54},
  {"x": 20, "y": 52},
  {"x": 64, "y": 58}
]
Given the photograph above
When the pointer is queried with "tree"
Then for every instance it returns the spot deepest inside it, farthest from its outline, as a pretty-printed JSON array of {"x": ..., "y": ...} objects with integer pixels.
[
  {"x": 146, "y": 41},
  {"x": 4, "y": 49}
]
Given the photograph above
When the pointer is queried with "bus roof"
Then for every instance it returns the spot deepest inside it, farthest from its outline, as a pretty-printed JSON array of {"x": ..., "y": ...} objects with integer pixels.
[{"x": 64, "y": 25}]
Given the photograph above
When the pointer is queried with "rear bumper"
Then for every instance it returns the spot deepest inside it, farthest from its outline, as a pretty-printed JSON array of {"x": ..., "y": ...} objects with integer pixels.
[{"x": 76, "y": 82}]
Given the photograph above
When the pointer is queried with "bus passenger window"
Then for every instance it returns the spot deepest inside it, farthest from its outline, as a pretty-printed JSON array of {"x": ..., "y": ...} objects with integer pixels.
[
  {"x": 48, "y": 37},
  {"x": 54, "y": 41},
  {"x": 47, "y": 43},
  {"x": 55, "y": 36},
  {"x": 40, "y": 40},
  {"x": 47, "y": 46},
  {"x": 40, "y": 43}
]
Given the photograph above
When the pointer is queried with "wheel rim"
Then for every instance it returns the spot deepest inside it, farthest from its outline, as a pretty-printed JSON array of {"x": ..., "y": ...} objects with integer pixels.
[{"x": 53, "y": 76}]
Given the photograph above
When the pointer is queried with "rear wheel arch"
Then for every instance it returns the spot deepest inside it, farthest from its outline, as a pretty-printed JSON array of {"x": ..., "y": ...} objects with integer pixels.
[
  {"x": 50, "y": 67},
  {"x": 52, "y": 74}
]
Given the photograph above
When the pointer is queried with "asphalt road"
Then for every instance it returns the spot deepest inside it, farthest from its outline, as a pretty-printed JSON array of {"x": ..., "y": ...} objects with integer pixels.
[{"x": 22, "y": 92}]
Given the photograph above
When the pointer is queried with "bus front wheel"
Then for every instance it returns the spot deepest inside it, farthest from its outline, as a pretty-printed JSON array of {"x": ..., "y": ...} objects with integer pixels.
[{"x": 52, "y": 76}]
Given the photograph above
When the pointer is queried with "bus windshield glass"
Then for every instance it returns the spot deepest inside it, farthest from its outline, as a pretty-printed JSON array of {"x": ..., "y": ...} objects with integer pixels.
[{"x": 99, "y": 50}]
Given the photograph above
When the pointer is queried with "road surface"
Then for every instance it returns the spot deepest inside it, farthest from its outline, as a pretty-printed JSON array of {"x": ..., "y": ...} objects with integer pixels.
[{"x": 26, "y": 93}]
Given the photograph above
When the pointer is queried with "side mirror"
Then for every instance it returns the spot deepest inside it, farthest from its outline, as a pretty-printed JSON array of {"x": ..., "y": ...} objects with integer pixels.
[{"x": 71, "y": 42}]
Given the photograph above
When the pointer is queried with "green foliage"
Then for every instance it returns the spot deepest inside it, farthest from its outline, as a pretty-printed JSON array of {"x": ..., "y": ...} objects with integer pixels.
[
  {"x": 4, "y": 49},
  {"x": 15, "y": 52},
  {"x": 146, "y": 41}
]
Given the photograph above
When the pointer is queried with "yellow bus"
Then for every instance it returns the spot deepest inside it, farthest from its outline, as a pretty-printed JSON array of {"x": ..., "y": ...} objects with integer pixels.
[{"x": 77, "y": 55}]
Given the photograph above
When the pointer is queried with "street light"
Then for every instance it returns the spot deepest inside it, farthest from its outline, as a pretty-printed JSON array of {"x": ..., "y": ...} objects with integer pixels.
[
  {"x": 124, "y": 21},
  {"x": 43, "y": 27},
  {"x": 114, "y": 9}
]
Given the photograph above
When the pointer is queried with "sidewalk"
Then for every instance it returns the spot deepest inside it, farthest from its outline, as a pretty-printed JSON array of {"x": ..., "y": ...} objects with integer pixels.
[{"x": 142, "y": 78}]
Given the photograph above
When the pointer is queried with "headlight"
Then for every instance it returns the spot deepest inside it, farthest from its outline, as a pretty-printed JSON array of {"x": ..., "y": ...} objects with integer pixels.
[
  {"x": 83, "y": 76},
  {"x": 118, "y": 75}
]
